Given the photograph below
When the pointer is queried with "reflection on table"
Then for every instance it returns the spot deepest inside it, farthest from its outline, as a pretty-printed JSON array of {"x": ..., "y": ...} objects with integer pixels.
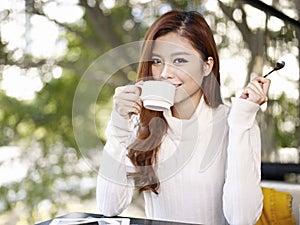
[{"x": 133, "y": 221}]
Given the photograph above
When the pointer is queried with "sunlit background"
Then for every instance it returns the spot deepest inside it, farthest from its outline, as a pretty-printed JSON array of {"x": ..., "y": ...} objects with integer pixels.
[{"x": 47, "y": 45}]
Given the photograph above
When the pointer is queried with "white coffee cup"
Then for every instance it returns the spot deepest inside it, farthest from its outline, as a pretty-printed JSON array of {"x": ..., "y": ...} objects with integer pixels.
[{"x": 158, "y": 95}]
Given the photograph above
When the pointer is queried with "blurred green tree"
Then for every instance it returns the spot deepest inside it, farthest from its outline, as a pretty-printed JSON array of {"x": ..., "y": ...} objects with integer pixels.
[
  {"x": 42, "y": 127},
  {"x": 266, "y": 46}
]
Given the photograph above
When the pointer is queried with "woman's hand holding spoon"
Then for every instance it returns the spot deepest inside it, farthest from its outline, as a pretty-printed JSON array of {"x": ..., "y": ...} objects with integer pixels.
[{"x": 256, "y": 91}]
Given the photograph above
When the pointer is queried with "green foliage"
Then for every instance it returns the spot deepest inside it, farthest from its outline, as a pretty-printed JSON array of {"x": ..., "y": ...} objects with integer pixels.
[
  {"x": 285, "y": 114},
  {"x": 56, "y": 170},
  {"x": 44, "y": 128}
]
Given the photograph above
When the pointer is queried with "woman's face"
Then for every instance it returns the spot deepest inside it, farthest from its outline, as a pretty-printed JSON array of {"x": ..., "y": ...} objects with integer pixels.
[{"x": 174, "y": 59}]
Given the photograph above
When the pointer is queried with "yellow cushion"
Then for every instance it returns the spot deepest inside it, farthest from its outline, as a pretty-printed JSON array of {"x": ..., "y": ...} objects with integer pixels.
[{"x": 277, "y": 208}]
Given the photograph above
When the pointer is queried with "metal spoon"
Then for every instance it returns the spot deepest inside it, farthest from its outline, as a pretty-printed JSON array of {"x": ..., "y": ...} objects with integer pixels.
[{"x": 278, "y": 66}]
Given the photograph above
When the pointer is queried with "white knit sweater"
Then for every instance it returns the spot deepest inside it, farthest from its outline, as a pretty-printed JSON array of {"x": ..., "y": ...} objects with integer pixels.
[{"x": 208, "y": 167}]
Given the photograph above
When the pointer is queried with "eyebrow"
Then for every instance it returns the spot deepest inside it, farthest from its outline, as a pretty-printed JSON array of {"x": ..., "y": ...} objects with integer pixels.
[{"x": 173, "y": 54}]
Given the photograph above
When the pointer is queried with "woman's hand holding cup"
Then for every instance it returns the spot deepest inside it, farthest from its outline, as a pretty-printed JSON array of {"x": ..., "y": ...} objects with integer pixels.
[
  {"x": 154, "y": 95},
  {"x": 127, "y": 100}
]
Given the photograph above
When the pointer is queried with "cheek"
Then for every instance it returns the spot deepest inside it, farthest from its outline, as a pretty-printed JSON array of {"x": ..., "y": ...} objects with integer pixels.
[
  {"x": 196, "y": 75},
  {"x": 156, "y": 72},
  {"x": 192, "y": 70},
  {"x": 198, "y": 79},
  {"x": 193, "y": 77}
]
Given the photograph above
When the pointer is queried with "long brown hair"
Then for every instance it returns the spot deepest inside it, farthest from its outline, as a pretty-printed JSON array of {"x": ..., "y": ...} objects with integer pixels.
[{"x": 153, "y": 126}]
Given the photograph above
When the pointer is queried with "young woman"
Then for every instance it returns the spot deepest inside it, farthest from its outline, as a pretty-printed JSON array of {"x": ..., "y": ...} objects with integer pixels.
[{"x": 198, "y": 162}]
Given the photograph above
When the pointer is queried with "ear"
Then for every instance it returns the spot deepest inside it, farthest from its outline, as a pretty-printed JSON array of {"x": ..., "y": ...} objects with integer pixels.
[{"x": 207, "y": 66}]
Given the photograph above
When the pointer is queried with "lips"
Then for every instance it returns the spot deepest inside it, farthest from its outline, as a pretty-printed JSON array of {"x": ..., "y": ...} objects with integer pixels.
[{"x": 175, "y": 84}]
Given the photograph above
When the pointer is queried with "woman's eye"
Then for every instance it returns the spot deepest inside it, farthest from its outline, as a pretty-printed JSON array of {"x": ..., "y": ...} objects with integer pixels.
[
  {"x": 155, "y": 61},
  {"x": 180, "y": 60}
]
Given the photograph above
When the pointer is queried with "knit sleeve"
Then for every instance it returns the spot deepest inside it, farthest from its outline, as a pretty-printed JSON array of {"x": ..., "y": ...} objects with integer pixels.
[
  {"x": 242, "y": 197},
  {"x": 114, "y": 189}
]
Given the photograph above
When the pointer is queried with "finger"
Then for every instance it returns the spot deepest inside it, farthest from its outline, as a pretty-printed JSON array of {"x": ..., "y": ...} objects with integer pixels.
[
  {"x": 133, "y": 89},
  {"x": 251, "y": 89},
  {"x": 131, "y": 106},
  {"x": 264, "y": 83},
  {"x": 139, "y": 84},
  {"x": 244, "y": 95},
  {"x": 259, "y": 85},
  {"x": 126, "y": 100},
  {"x": 127, "y": 89},
  {"x": 130, "y": 91},
  {"x": 125, "y": 108},
  {"x": 254, "y": 96},
  {"x": 256, "y": 86},
  {"x": 130, "y": 98}
]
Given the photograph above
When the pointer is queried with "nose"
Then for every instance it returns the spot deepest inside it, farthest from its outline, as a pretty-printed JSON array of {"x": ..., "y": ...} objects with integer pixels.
[{"x": 167, "y": 72}]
